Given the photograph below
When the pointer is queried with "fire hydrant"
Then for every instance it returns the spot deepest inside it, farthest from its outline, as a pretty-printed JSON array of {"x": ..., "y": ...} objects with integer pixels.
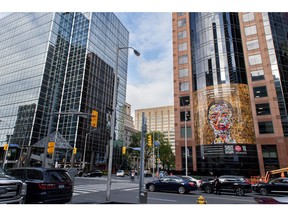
[{"x": 201, "y": 200}]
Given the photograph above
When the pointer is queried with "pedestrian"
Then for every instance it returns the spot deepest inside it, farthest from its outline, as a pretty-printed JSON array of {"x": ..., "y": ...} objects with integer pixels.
[{"x": 217, "y": 186}]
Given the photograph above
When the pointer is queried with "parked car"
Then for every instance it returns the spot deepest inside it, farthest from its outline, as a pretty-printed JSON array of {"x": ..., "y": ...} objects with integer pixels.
[
  {"x": 120, "y": 173},
  {"x": 229, "y": 183},
  {"x": 171, "y": 183},
  {"x": 278, "y": 185},
  {"x": 45, "y": 185},
  {"x": 93, "y": 173},
  {"x": 190, "y": 178},
  {"x": 12, "y": 191}
]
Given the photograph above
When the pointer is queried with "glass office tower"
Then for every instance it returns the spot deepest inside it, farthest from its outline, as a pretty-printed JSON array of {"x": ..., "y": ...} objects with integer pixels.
[
  {"x": 227, "y": 76},
  {"x": 61, "y": 62}
]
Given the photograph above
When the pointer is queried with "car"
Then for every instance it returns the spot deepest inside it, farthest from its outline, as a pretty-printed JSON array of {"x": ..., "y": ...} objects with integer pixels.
[
  {"x": 45, "y": 185},
  {"x": 12, "y": 191},
  {"x": 278, "y": 185},
  {"x": 190, "y": 178},
  {"x": 120, "y": 173},
  {"x": 171, "y": 183},
  {"x": 229, "y": 183},
  {"x": 93, "y": 173}
]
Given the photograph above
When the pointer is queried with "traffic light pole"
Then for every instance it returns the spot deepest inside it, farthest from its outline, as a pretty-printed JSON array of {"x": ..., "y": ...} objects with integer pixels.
[{"x": 142, "y": 153}]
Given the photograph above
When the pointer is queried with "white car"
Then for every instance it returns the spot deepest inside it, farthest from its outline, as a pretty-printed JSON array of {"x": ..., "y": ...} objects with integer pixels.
[
  {"x": 190, "y": 178},
  {"x": 120, "y": 173}
]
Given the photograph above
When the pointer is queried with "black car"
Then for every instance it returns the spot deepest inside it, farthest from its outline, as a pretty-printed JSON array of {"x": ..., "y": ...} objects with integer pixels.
[
  {"x": 93, "y": 173},
  {"x": 229, "y": 183},
  {"x": 171, "y": 183},
  {"x": 45, "y": 185},
  {"x": 279, "y": 185}
]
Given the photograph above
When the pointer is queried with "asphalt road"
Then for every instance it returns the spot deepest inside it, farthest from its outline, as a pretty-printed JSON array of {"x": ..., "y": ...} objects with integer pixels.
[{"x": 123, "y": 190}]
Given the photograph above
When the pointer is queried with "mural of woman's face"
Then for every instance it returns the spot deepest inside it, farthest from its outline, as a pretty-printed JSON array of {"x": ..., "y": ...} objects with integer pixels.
[{"x": 219, "y": 117}]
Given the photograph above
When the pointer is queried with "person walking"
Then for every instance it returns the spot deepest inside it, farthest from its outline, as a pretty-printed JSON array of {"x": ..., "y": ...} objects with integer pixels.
[{"x": 217, "y": 186}]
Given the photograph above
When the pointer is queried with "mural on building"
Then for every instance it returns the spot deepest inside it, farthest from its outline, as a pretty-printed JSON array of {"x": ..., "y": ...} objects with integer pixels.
[
  {"x": 220, "y": 119},
  {"x": 222, "y": 115}
]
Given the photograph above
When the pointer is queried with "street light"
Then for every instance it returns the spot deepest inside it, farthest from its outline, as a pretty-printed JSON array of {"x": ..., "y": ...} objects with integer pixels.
[
  {"x": 6, "y": 152},
  {"x": 186, "y": 156},
  {"x": 112, "y": 130},
  {"x": 84, "y": 152}
]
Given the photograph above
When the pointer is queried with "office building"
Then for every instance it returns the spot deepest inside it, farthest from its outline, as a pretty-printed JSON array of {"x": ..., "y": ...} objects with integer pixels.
[
  {"x": 230, "y": 87},
  {"x": 129, "y": 125},
  {"x": 158, "y": 119},
  {"x": 62, "y": 63}
]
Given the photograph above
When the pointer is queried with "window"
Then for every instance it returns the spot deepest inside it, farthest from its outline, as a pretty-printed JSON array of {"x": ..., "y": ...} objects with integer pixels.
[
  {"x": 182, "y": 34},
  {"x": 182, "y": 22},
  {"x": 183, "y": 72},
  {"x": 253, "y": 44},
  {"x": 181, "y": 13},
  {"x": 257, "y": 75},
  {"x": 255, "y": 59},
  {"x": 266, "y": 127},
  {"x": 184, "y": 86},
  {"x": 248, "y": 17},
  {"x": 251, "y": 30},
  {"x": 182, "y": 47},
  {"x": 263, "y": 109},
  {"x": 183, "y": 59},
  {"x": 260, "y": 91},
  {"x": 34, "y": 174},
  {"x": 184, "y": 101},
  {"x": 188, "y": 131},
  {"x": 182, "y": 116}
]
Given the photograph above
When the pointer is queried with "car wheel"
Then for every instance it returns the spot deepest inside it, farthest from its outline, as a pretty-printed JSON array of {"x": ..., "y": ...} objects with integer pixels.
[
  {"x": 151, "y": 188},
  {"x": 181, "y": 190},
  {"x": 263, "y": 191},
  {"x": 239, "y": 191},
  {"x": 208, "y": 189}
]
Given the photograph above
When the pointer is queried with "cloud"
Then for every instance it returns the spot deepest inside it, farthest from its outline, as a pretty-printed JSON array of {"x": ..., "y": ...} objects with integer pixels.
[{"x": 150, "y": 76}]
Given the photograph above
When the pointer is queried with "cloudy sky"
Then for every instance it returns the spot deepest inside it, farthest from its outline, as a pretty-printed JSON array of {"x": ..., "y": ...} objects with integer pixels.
[{"x": 149, "y": 75}]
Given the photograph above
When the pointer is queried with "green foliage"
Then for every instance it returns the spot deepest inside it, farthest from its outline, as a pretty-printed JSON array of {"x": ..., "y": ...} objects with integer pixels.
[{"x": 166, "y": 155}]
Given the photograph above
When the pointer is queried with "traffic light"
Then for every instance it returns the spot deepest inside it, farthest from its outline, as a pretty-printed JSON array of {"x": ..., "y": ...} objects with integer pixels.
[
  {"x": 74, "y": 151},
  {"x": 5, "y": 147},
  {"x": 94, "y": 118},
  {"x": 51, "y": 147},
  {"x": 150, "y": 140},
  {"x": 123, "y": 150}
]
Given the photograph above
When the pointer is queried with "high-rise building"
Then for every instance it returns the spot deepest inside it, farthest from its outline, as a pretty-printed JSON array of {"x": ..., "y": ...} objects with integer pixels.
[
  {"x": 230, "y": 88},
  {"x": 158, "y": 119},
  {"x": 62, "y": 63},
  {"x": 129, "y": 125}
]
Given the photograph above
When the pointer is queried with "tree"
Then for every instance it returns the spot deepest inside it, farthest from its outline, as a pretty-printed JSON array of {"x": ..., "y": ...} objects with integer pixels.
[{"x": 166, "y": 155}]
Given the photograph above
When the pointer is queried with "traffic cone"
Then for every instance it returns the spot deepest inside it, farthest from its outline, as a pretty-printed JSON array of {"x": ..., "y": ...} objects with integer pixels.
[{"x": 201, "y": 200}]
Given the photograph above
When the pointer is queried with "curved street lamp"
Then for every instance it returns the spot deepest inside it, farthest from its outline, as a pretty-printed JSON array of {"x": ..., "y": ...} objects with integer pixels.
[{"x": 112, "y": 130}]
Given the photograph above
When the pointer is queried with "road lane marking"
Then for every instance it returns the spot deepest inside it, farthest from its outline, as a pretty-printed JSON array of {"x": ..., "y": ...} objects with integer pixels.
[{"x": 166, "y": 200}]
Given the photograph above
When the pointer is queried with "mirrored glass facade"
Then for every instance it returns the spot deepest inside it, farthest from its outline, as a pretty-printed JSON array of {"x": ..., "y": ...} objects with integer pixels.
[{"x": 71, "y": 58}]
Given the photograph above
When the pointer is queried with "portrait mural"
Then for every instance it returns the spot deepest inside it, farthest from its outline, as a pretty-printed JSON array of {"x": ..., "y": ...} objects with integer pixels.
[
  {"x": 220, "y": 119},
  {"x": 222, "y": 115}
]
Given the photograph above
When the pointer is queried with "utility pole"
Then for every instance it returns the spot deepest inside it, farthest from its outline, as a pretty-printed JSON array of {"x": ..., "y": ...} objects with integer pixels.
[{"x": 142, "y": 193}]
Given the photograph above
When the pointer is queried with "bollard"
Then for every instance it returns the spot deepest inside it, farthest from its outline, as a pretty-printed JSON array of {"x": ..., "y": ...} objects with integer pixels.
[{"x": 201, "y": 200}]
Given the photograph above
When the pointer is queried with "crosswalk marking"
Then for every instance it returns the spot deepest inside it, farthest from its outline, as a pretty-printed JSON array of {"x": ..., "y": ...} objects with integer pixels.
[{"x": 93, "y": 188}]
